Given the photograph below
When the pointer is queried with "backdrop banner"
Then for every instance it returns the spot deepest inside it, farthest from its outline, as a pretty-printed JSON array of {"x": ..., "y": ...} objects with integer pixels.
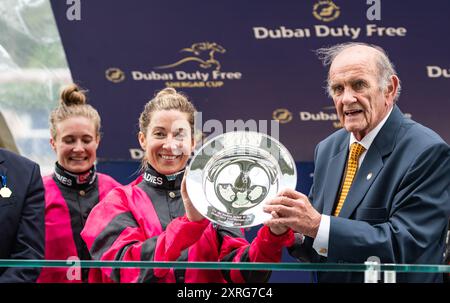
[
  {"x": 247, "y": 64},
  {"x": 244, "y": 63}
]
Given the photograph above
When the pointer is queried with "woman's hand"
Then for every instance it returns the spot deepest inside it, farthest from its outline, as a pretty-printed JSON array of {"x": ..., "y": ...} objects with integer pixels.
[
  {"x": 277, "y": 229},
  {"x": 191, "y": 212}
]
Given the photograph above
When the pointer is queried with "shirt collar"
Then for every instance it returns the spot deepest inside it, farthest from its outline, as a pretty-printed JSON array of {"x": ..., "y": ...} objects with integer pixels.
[{"x": 368, "y": 139}]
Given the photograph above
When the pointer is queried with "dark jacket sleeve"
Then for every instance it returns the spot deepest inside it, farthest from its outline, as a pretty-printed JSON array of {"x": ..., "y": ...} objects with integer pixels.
[{"x": 29, "y": 242}]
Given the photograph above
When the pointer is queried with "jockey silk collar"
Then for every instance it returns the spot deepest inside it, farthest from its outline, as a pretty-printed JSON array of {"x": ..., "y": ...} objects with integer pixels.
[
  {"x": 73, "y": 180},
  {"x": 157, "y": 180}
]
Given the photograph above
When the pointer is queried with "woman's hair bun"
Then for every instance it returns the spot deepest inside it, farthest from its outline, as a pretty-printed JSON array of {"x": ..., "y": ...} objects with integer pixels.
[{"x": 73, "y": 95}]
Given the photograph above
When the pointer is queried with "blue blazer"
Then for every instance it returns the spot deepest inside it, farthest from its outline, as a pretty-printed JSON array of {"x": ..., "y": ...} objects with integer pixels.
[
  {"x": 397, "y": 208},
  {"x": 21, "y": 216}
]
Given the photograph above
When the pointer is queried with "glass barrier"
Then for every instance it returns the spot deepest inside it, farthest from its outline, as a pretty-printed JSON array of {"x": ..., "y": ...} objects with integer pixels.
[
  {"x": 342, "y": 267},
  {"x": 373, "y": 271}
]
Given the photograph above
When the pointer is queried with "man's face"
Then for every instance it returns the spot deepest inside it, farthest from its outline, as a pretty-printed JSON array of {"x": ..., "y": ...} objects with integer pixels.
[{"x": 355, "y": 88}]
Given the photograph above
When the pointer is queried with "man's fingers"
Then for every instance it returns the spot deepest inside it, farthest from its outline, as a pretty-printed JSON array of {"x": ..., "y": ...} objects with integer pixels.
[
  {"x": 284, "y": 201},
  {"x": 287, "y": 192},
  {"x": 280, "y": 210},
  {"x": 277, "y": 222}
]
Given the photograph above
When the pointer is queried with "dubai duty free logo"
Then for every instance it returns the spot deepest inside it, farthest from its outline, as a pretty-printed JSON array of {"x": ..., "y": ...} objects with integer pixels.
[
  {"x": 115, "y": 74},
  {"x": 282, "y": 115},
  {"x": 199, "y": 68},
  {"x": 326, "y": 10}
]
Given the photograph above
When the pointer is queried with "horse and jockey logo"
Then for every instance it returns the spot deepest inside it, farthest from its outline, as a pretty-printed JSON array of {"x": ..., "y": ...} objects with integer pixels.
[{"x": 198, "y": 50}]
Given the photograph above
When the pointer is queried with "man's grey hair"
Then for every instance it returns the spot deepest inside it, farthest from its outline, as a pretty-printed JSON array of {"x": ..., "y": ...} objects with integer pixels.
[{"x": 385, "y": 67}]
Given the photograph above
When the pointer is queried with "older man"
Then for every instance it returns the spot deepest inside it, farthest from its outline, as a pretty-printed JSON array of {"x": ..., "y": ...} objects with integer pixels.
[{"x": 381, "y": 184}]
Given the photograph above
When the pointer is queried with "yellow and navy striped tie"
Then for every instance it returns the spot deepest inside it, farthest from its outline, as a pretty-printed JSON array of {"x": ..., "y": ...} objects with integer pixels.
[{"x": 352, "y": 166}]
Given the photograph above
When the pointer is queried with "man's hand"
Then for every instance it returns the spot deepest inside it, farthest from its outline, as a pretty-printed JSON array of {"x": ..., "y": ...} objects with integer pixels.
[{"x": 295, "y": 211}]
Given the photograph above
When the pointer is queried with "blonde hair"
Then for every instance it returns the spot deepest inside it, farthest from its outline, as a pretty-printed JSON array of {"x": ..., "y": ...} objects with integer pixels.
[
  {"x": 73, "y": 103},
  {"x": 167, "y": 99}
]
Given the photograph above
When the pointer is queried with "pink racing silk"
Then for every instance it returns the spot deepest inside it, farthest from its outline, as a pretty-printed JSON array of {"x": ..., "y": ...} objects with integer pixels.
[
  {"x": 59, "y": 242},
  {"x": 125, "y": 226}
]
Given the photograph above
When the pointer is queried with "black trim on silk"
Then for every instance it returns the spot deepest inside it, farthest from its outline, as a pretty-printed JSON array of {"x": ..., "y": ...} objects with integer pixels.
[
  {"x": 148, "y": 254},
  {"x": 253, "y": 275},
  {"x": 228, "y": 258},
  {"x": 223, "y": 231},
  {"x": 79, "y": 207},
  {"x": 180, "y": 273},
  {"x": 115, "y": 273},
  {"x": 110, "y": 234},
  {"x": 167, "y": 207}
]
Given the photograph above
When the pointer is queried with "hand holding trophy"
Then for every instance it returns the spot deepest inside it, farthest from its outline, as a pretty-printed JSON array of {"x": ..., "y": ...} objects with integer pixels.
[{"x": 191, "y": 212}]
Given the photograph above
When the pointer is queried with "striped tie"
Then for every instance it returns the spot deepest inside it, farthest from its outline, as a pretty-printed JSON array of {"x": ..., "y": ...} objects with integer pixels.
[{"x": 352, "y": 166}]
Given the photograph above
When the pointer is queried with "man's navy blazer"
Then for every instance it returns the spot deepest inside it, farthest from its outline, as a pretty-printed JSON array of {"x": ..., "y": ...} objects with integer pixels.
[
  {"x": 21, "y": 216},
  {"x": 397, "y": 208}
]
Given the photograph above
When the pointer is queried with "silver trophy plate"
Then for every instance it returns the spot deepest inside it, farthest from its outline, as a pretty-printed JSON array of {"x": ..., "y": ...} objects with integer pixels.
[{"x": 232, "y": 176}]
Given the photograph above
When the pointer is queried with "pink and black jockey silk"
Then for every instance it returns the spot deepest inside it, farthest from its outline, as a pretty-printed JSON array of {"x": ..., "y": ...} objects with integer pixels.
[
  {"x": 68, "y": 205},
  {"x": 166, "y": 197},
  {"x": 79, "y": 205},
  {"x": 164, "y": 193},
  {"x": 146, "y": 221}
]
